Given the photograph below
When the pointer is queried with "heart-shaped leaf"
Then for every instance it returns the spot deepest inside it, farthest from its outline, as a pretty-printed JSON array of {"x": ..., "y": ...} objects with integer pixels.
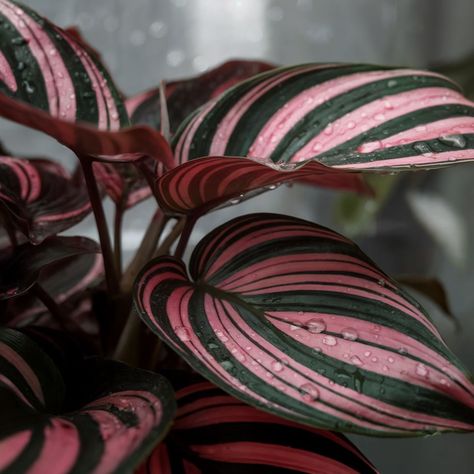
[
  {"x": 41, "y": 198},
  {"x": 186, "y": 95},
  {"x": 52, "y": 83},
  {"x": 295, "y": 319},
  {"x": 20, "y": 267},
  {"x": 214, "y": 432},
  {"x": 116, "y": 417},
  {"x": 206, "y": 183},
  {"x": 359, "y": 117}
]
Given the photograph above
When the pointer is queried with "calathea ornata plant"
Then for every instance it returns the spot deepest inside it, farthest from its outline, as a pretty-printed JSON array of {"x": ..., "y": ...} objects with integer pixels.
[{"x": 278, "y": 334}]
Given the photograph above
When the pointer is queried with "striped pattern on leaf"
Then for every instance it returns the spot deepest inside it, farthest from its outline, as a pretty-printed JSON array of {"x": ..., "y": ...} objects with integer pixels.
[
  {"x": 350, "y": 116},
  {"x": 54, "y": 83},
  {"x": 20, "y": 267},
  {"x": 184, "y": 96},
  {"x": 293, "y": 318},
  {"x": 117, "y": 417},
  {"x": 214, "y": 432},
  {"x": 40, "y": 196},
  {"x": 200, "y": 185}
]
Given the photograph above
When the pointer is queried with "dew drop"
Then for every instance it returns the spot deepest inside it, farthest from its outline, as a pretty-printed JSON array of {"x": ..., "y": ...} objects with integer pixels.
[
  {"x": 421, "y": 370},
  {"x": 351, "y": 125},
  {"x": 374, "y": 359},
  {"x": 388, "y": 105},
  {"x": 391, "y": 360},
  {"x": 367, "y": 353},
  {"x": 355, "y": 360},
  {"x": 183, "y": 333},
  {"x": 423, "y": 149},
  {"x": 309, "y": 392},
  {"x": 221, "y": 336},
  {"x": 392, "y": 83},
  {"x": 277, "y": 366},
  {"x": 329, "y": 340},
  {"x": 349, "y": 334},
  {"x": 456, "y": 141},
  {"x": 328, "y": 130},
  {"x": 315, "y": 326},
  {"x": 381, "y": 282},
  {"x": 227, "y": 365},
  {"x": 370, "y": 147}
]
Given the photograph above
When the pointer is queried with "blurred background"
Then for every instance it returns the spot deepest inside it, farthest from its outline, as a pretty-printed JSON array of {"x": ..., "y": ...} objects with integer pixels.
[{"x": 422, "y": 223}]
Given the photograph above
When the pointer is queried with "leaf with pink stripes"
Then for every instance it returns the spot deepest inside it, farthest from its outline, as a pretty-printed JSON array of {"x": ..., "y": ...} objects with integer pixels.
[
  {"x": 51, "y": 82},
  {"x": 105, "y": 419},
  {"x": 21, "y": 267},
  {"x": 40, "y": 197},
  {"x": 349, "y": 116},
  {"x": 295, "y": 319},
  {"x": 214, "y": 432},
  {"x": 200, "y": 185},
  {"x": 184, "y": 96}
]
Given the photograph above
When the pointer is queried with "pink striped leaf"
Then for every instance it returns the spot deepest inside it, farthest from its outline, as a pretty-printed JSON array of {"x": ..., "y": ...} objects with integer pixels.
[
  {"x": 104, "y": 419},
  {"x": 349, "y": 116},
  {"x": 51, "y": 82},
  {"x": 21, "y": 267},
  {"x": 215, "y": 432},
  {"x": 295, "y": 319},
  {"x": 200, "y": 185},
  {"x": 40, "y": 197},
  {"x": 184, "y": 96}
]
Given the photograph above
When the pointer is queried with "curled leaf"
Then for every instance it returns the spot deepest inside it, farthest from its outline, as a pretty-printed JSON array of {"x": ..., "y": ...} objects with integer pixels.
[
  {"x": 40, "y": 196},
  {"x": 206, "y": 183},
  {"x": 20, "y": 267}
]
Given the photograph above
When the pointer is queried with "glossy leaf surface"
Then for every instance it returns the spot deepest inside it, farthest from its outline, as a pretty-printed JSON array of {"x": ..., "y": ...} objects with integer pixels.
[
  {"x": 206, "y": 183},
  {"x": 21, "y": 267},
  {"x": 214, "y": 432},
  {"x": 293, "y": 318},
  {"x": 359, "y": 117},
  {"x": 52, "y": 83},
  {"x": 116, "y": 416},
  {"x": 40, "y": 196}
]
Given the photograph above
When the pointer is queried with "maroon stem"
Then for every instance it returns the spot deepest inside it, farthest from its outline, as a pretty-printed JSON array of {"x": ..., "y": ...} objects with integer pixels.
[
  {"x": 111, "y": 274},
  {"x": 183, "y": 241},
  {"x": 118, "y": 220}
]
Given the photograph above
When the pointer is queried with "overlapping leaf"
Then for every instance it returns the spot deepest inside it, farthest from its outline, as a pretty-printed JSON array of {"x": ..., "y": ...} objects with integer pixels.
[
  {"x": 66, "y": 282},
  {"x": 214, "y": 432},
  {"x": 110, "y": 419},
  {"x": 41, "y": 198},
  {"x": 52, "y": 83},
  {"x": 293, "y": 318},
  {"x": 359, "y": 117},
  {"x": 20, "y": 267},
  {"x": 185, "y": 96},
  {"x": 200, "y": 185}
]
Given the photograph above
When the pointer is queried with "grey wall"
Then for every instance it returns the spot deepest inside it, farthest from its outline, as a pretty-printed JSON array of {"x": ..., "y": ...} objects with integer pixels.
[{"x": 143, "y": 41}]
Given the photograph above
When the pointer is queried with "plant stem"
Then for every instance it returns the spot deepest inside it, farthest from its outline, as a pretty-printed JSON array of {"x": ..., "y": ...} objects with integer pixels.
[
  {"x": 111, "y": 275},
  {"x": 6, "y": 221},
  {"x": 124, "y": 350},
  {"x": 118, "y": 220},
  {"x": 53, "y": 308},
  {"x": 145, "y": 250},
  {"x": 164, "y": 248},
  {"x": 183, "y": 241}
]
